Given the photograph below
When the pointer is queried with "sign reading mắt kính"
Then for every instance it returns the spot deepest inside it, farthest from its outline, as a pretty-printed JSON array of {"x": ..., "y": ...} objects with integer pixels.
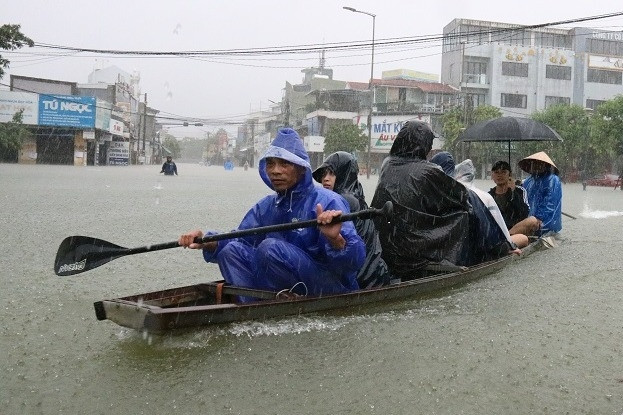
[
  {"x": 12, "y": 102},
  {"x": 66, "y": 111},
  {"x": 118, "y": 153},
  {"x": 385, "y": 129}
]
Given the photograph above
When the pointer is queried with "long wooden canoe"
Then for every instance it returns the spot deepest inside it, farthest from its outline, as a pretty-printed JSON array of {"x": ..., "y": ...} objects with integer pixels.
[{"x": 214, "y": 303}]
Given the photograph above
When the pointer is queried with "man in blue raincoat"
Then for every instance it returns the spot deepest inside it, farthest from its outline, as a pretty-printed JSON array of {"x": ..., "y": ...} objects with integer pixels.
[
  {"x": 544, "y": 192},
  {"x": 325, "y": 259}
]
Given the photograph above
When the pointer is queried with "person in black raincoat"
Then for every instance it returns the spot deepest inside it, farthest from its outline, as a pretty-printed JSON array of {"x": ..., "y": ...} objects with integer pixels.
[
  {"x": 339, "y": 173},
  {"x": 431, "y": 209}
]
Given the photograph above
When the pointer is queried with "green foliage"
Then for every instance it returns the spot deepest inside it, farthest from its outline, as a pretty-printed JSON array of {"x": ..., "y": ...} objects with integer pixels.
[
  {"x": 10, "y": 39},
  {"x": 345, "y": 137},
  {"x": 193, "y": 149},
  {"x": 171, "y": 143},
  {"x": 12, "y": 135},
  {"x": 461, "y": 117},
  {"x": 572, "y": 124},
  {"x": 485, "y": 112},
  {"x": 607, "y": 127},
  {"x": 452, "y": 125}
]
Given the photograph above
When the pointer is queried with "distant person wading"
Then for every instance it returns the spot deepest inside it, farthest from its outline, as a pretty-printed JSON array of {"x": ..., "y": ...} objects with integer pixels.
[{"x": 169, "y": 168}]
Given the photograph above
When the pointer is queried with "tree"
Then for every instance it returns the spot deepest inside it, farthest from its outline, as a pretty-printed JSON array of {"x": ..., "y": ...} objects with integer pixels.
[
  {"x": 573, "y": 125},
  {"x": 10, "y": 39},
  {"x": 462, "y": 117},
  {"x": 171, "y": 144},
  {"x": 12, "y": 135},
  {"x": 345, "y": 137},
  {"x": 607, "y": 127}
]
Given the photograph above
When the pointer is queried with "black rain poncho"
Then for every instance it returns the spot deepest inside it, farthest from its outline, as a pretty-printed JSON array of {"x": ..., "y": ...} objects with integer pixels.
[
  {"x": 431, "y": 210},
  {"x": 374, "y": 272}
]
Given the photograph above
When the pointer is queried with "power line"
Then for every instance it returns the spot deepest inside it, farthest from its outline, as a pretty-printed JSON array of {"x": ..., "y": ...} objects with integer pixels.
[{"x": 294, "y": 49}]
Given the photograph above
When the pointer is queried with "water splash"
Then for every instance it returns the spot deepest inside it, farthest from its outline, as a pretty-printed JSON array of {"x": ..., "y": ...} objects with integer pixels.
[{"x": 588, "y": 213}]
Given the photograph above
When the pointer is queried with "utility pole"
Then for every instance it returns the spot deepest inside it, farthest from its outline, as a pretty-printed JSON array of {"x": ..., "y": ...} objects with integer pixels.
[
  {"x": 144, "y": 128},
  {"x": 252, "y": 143}
]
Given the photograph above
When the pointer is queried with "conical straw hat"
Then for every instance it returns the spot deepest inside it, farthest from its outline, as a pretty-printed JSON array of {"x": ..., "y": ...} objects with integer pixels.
[{"x": 524, "y": 164}]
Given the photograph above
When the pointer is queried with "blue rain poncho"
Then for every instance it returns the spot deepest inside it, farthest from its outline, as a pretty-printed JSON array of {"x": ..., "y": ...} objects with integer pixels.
[
  {"x": 545, "y": 199},
  {"x": 279, "y": 260}
]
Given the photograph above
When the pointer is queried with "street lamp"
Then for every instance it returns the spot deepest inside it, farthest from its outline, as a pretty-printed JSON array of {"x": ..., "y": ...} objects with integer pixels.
[{"x": 351, "y": 9}]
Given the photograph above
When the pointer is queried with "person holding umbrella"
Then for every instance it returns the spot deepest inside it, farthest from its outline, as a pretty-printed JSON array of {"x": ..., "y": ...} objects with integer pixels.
[{"x": 544, "y": 191}]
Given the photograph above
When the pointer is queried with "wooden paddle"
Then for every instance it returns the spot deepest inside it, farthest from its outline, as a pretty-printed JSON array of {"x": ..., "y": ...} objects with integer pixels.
[{"x": 78, "y": 254}]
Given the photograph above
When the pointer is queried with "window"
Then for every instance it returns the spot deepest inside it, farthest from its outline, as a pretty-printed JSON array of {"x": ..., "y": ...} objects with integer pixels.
[
  {"x": 402, "y": 94},
  {"x": 593, "y": 103},
  {"x": 515, "y": 69},
  {"x": 558, "y": 72},
  {"x": 514, "y": 101},
  {"x": 474, "y": 34},
  {"x": 477, "y": 99},
  {"x": 604, "y": 77},
  {"x": 551, "y": 101},
  {"x": 604, "y": 47},
  {"x": 475, "y": 72},
  {"x": 551, "y": 40}
]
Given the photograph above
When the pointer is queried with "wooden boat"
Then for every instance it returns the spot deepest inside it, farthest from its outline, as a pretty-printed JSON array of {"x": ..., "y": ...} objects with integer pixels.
[{"x": 214, "y": 303}]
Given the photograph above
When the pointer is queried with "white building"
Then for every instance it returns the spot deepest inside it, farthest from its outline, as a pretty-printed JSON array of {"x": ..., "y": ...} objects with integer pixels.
[{"x": 526, "y": 70}]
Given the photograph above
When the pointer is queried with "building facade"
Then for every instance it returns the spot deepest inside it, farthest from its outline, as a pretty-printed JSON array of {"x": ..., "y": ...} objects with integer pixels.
[{"x": 523, "y": 70}]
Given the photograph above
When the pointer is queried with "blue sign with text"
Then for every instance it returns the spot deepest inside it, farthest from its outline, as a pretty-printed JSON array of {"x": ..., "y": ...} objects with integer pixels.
[{"x": 67, "y": 111}]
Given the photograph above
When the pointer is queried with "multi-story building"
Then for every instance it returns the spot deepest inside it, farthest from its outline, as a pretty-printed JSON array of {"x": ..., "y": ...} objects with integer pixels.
[{"x": 524, "y": 70}]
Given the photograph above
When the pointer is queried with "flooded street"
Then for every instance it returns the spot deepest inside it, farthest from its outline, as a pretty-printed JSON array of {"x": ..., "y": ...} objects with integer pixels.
[{"x": 543, "y": 336}]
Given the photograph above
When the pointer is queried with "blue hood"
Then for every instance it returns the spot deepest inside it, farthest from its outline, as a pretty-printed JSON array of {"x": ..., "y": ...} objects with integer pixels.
[
  {"x": 445, "y": 161},
  {"x": 287, "y": 146}
]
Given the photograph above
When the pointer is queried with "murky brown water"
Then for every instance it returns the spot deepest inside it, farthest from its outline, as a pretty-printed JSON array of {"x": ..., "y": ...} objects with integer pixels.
[{"x": 543, "y": 336}]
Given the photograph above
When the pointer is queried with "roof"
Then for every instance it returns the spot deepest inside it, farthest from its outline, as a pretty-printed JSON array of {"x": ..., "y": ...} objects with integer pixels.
[{"x": 403, "y": 83}]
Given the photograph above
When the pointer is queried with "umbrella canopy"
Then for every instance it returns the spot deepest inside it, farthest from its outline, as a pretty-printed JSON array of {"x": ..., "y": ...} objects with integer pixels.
[{"x": 509, "y": 129}]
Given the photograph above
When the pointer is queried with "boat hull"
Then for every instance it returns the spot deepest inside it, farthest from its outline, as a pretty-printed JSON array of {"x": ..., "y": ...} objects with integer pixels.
[{"x": 215, "y": 303}]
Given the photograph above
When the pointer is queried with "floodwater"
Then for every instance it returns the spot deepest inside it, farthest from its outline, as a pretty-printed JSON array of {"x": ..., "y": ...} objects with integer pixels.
[{"x": 544, "y": 336}]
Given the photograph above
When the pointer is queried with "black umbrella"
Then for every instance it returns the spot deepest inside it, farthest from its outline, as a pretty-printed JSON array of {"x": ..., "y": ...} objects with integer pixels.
[{"x": 509, "y": 129}]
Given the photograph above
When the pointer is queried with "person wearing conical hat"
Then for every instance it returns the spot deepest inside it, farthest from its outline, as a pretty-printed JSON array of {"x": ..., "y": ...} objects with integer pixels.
[{"x": 544, "y": 191}]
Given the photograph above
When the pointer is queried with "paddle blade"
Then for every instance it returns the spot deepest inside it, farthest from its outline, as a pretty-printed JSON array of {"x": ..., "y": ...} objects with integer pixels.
[{"x": 78, "y": 254}]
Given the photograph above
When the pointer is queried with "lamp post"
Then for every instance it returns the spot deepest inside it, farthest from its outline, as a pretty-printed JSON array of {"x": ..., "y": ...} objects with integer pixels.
[{"x": 351, "y": 9}]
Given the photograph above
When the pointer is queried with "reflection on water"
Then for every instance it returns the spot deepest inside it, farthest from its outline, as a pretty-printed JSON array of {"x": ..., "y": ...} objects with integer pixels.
[{"x": 542, "y": 336}]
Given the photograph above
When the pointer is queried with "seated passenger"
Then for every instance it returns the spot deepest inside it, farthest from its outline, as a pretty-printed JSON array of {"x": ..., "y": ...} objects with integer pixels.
[
  {"x": 431, "y": 210},
  {"x": 339, "y": 173},
  {"x": 511, "y": 199},
  {"x": 544, "y": 193},
  {"x": 464, "y": 173},
  {"x": 326, "y": 259}
]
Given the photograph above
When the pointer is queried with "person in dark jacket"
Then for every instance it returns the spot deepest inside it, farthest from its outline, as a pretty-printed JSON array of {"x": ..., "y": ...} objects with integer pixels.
[
  {"x": 339, "y": 173},
  {"x": 488, "y": 237},
  {"x": 169, "y": 168},
  {"x": 316, "y": 261},
  {"x": 431, "y": 210},
  {"x": 510, "y": 198}
]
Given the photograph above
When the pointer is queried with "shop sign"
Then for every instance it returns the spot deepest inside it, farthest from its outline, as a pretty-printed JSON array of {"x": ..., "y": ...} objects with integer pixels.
[
  {"x": 67, "y": 111},
  {"x": 118, "y": 153},
  {"x": 385, "y": 129},
  {"x": 12, "y": 101}
]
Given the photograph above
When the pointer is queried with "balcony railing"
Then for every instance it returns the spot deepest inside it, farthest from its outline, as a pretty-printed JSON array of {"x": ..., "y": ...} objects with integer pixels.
[
  {"x": 475, "y": 79},
  {"x": 408, "y": 107}
]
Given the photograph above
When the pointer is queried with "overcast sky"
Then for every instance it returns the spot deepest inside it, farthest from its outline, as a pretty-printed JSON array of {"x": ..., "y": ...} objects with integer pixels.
[{"x": 228, "y": 88}]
